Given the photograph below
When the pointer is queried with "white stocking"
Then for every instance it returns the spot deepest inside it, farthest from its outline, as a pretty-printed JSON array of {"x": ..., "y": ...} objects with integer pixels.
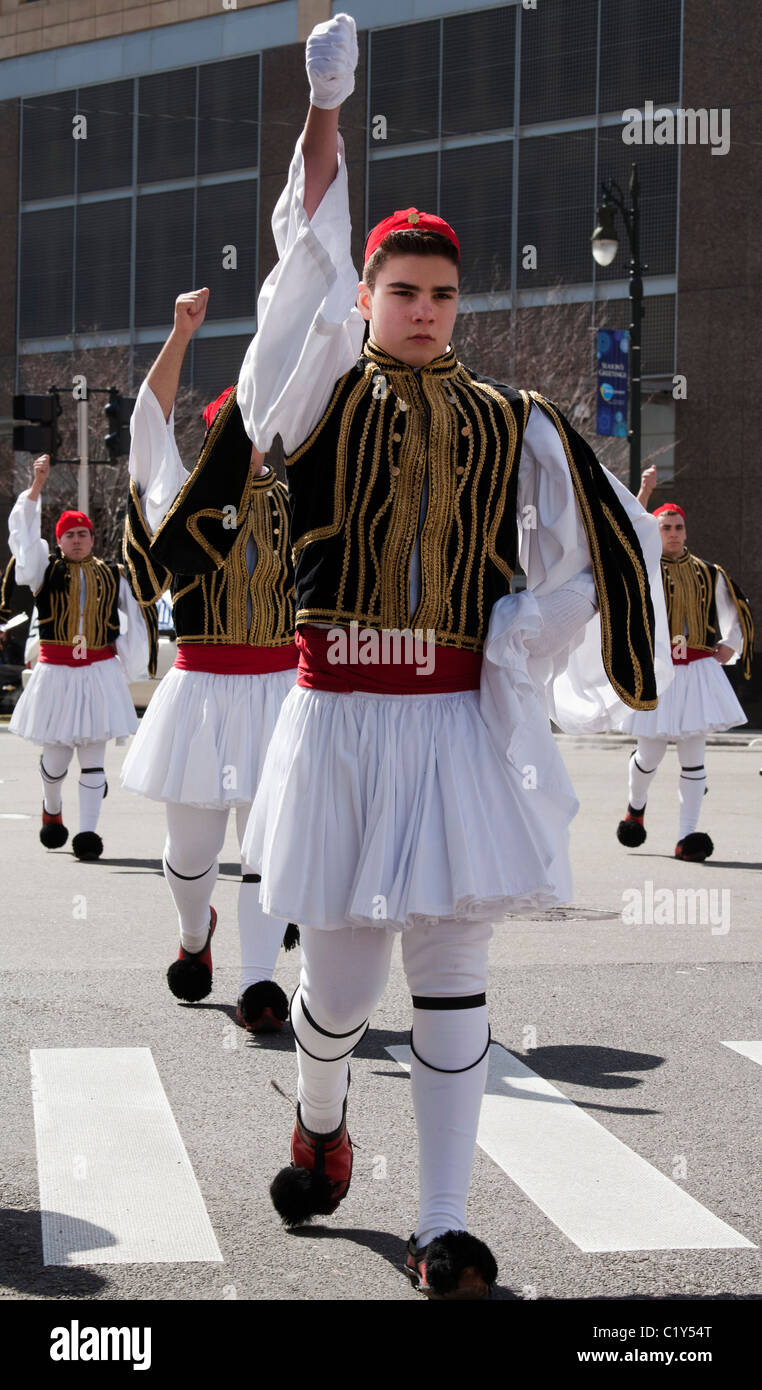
[
  {"x": 643, "y": 767},
  {"x": 92, "y": 783},
  {"x": 194, "y": 840},
  {"x": 261, "y": 936},
  {"x": 691, "y": 751},
  {"x": 446, "y": 968},
  {"x": 54, "y": 761}
]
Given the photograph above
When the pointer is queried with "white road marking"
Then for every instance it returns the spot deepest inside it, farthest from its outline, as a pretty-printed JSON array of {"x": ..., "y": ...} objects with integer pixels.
[
  {"x": 752, "y": 1050},
  {"x": 13, "y": 815},
  {"x": 601, "y": 1194},
  {"x": 116, "y": 1185}
]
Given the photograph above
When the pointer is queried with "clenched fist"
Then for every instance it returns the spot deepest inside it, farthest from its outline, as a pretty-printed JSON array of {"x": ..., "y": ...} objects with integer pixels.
[
  {"x": 190, "y": 311},
  {"x": 331, "y": 61}
]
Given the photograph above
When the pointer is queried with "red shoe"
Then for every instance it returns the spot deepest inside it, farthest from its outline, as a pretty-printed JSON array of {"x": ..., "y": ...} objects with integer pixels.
[
  {"x": 453, "y": 1266},
  {"x": 631, "y": 831},
  {"x": 53, "y": 832},
  {"x": 319, "y": 1175},
  {"x": 695, "y": 847},
  {"x": 262, "y": 1008},
  {"x": 190, "y": 976}
]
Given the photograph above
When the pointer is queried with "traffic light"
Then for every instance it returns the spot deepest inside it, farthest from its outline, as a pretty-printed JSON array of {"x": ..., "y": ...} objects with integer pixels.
[
  {"x": 40, "y": 434},
  {"x": 118, "y": 412}
]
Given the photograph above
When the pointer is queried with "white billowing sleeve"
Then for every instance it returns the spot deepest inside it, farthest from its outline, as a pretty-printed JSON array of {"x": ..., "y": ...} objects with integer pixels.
[
  {"x": 727, "y": 617},
  {"x": 309, "y": 332},
  {"x": 566, "y": 667},
  {"x": 132, "y": 642},
  {"x": 155, "y": 463},
  {"x": 26, "y": 543}
]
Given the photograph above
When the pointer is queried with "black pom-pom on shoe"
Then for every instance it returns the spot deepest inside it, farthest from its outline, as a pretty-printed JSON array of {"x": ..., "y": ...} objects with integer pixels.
[
  {"x": 291, "y": 937},
  {"x": 87, "y": 845},
  {"x": 631, "y": 831},
  {"x": 453, "y": 1266},
  {"x": 695, "y": 847},
  {"x": 262, "y": 1008},
  {"x": 53, "y": 833},
  {"x": 189, "y": 980},
  {"x": 299, "y": 1195}
]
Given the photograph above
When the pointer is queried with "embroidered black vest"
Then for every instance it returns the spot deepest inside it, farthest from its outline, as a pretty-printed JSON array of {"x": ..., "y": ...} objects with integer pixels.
[
  {"x": 59, "y": 601},
  {"x": 199, "y": 550},
  {"x": 690, "y": 592},
  {"x": 356, "y": 485}
]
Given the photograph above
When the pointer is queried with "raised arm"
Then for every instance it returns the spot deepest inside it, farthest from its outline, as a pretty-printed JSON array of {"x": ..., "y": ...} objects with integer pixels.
[
  {"x": 164, "y": 376},
  {"x": 331, "y": 58}
]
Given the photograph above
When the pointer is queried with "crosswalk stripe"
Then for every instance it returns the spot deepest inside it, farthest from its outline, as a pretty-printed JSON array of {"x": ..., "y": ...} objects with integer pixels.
[
  {"x": 601, "y": 1194},
  {"x": 116, "y": 1184},
  {"x": 752, "y": 1050}
]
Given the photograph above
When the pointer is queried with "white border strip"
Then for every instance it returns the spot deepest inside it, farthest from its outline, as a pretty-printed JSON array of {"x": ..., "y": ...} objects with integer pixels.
[
  {"x": 116, "y": 1185},
  {"x": 601, "y": 1194}
]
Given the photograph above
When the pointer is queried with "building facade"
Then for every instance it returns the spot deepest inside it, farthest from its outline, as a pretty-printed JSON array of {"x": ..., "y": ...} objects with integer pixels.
[{"x": 144, "y": 146}]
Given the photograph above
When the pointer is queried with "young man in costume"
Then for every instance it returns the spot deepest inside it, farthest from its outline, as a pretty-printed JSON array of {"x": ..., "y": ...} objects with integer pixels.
[
  {"x": 392, "y": 799},
  {"x": 203, "y": 737},
  {"x": 77, "y": 696},
  {"x": 710, "y": 626}
]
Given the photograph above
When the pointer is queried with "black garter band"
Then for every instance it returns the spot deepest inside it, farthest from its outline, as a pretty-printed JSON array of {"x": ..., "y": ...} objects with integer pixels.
[
  {"x": 188, "y": 878},
  {"x": 325, "y": 1033},
  {"x": 463, "y": 1001}
]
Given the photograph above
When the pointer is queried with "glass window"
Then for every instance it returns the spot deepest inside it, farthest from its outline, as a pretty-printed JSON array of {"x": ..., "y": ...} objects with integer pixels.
[
  {"x": 104, "y": 157},
  {"x": 167, "y": 126},
  {"x": 476, "y": 201},
  {"x": 103, "y": 265},
  {"x": 556, "y": 183},
  {"x": 657, "y": 173},
  {"x": 227, "y": 217},
  {"x": 217, "y": 362},
  {"x": 46, "y": 272},
  {"x": 558, "y": 57},
  {"x": 48, "y": 146},
  {"x": 164, "y": 254},
  {"x": 401, "y": 183},
  {"x": 657, "y": 329},
  {"x": 477, "y": 71},
  {"x": 640, "y": 53},
  {"x": 404, "y": 88},
  {"x": 228, "y": 104}
]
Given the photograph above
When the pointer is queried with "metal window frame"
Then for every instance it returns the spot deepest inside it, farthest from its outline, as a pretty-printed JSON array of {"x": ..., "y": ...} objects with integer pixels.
[{"x": 131, "y": 336}]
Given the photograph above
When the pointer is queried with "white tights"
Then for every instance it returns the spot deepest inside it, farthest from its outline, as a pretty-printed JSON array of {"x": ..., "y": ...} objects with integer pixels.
[
  {"x": 194, "y": 841},
  {"x": 54, "y": 762},
  {"x": 344, "y": 973},
  {"x": 644, "y": 764}
]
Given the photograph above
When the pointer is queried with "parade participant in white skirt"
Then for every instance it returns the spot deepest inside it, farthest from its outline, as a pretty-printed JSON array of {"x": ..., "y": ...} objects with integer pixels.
[
  {"x": 203, "y": 737},
  {"x": 77, "y": 696},
  {"x": 710, "y": 627},
  {"x": 395, "y": 798}
]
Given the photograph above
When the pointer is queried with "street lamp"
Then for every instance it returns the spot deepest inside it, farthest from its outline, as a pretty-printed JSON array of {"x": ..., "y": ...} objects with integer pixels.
[{"x": 605, "y": 246}]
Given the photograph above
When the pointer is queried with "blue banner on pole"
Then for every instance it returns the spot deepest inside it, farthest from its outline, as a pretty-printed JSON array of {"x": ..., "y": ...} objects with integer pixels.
[{"x": 613, "y": 352}]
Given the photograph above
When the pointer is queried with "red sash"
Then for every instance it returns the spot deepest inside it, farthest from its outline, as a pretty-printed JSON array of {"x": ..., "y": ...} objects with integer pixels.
[
  {"x": 451, "y": 669},
  {"x": 62, "y": 654},
  {"x": 236, "y": 659},
  {"x": 690, "y": 654}
]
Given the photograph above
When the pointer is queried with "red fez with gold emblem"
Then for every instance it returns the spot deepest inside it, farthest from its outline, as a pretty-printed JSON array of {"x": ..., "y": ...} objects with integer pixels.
[
  {"x": 70, "y": 521},
  {"x": 669, "y": 507},
  {"x": 213, "y": 406},
  {"x": 409, "y": 220}
]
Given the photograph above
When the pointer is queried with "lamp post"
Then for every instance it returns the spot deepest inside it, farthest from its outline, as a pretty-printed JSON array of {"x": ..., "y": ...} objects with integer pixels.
[{"x": 605, "y": 246}]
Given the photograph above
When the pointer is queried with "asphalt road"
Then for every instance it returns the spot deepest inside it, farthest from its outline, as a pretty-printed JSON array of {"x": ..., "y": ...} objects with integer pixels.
[{"x": 627, "y": 1021}]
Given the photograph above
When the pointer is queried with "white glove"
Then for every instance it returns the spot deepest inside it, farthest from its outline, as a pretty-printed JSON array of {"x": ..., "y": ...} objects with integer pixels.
[{"x": 331, "y": 61}]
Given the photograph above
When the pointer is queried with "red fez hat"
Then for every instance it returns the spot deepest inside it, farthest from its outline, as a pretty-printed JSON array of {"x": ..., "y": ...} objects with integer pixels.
[
  {"x": 213, "y": 406},
  {"x": 68, "y": 521},
  {"x": 669, "y": 507},
  {"x": 409, "y": 220}
]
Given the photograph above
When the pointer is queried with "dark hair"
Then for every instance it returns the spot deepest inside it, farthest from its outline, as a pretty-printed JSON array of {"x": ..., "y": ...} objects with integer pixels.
[{"x": 412, "y": 243}]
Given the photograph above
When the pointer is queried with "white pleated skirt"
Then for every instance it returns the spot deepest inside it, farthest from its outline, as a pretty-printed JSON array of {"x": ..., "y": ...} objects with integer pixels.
[
  {"x": 63, "y": 704},
  {"x": 699, "y": 700},
  {"x": 399, "y": 810},
  {"x": 202, "y": 741}
]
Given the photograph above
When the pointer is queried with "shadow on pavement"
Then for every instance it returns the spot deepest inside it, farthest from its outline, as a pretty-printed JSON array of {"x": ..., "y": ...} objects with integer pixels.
[{"x": 21, "y": 1256}]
